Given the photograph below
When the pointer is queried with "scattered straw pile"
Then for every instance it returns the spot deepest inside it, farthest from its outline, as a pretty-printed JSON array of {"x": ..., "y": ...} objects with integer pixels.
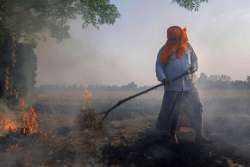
[{"x": 88, "y": 119}]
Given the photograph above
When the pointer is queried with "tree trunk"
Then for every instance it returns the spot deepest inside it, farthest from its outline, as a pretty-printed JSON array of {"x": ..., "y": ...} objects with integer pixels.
[{"x": 18, "y": 66}]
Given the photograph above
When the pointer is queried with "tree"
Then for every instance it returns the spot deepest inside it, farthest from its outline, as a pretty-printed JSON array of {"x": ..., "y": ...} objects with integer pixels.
[
  {"x": 214, "y": 78},
  {"x": 190, "y": 4},
  {"x": 248, "y": 79},
  {"x": 26, "y": 20},
  {"x": 24, "y": 71},
  {"x": 203, "y": 77},
  {"x": 225, "y": 78}
]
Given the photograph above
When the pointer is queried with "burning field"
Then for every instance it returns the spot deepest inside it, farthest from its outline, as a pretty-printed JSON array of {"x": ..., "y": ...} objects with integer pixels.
[{"x": 62, "y": 130}]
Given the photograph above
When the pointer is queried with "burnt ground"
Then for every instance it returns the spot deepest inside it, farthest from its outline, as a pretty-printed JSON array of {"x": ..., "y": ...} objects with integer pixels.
[
  {"x": 127, "y": 138},
  {"x": 130, "y": 143},
  {"x": 149, "y": 150}
]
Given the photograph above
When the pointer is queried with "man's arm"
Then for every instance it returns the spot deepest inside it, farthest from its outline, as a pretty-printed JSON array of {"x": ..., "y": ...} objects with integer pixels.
[{"x": 159, "y": 69}]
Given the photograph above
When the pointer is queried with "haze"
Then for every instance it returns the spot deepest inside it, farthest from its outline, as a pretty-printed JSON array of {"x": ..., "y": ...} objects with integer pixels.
[{"x": 126, "y": 51}]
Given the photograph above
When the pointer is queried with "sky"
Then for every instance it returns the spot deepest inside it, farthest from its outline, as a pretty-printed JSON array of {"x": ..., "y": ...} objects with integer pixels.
[{"x": 126, "y": 51}]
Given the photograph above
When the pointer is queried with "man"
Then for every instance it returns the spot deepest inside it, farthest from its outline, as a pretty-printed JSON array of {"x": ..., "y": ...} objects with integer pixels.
[{"x": 175, "y": 58}]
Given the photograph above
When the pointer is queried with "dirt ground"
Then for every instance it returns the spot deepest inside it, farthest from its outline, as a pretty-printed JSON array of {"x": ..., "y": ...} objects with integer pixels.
[{"x": 226, "y": 121}]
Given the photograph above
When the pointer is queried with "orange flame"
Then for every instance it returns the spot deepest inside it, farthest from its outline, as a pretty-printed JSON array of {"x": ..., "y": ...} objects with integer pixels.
[
  {"x": 87, "y": 98},
  {"x": 7, "y": 124},
  {"x": 30, "y": 122}
]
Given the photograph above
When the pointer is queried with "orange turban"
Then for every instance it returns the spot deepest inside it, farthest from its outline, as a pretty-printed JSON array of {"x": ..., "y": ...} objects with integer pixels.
[{"x": 177, "y": 43}]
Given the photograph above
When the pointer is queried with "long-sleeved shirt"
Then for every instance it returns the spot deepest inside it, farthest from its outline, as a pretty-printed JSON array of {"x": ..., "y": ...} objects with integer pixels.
[{"x": 175, "y": 67}]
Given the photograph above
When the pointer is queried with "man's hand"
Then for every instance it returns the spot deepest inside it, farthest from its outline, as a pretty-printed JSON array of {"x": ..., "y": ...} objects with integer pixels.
[
  {"x": 192, "y": 70},
  {"x": 166, "y": 82}
]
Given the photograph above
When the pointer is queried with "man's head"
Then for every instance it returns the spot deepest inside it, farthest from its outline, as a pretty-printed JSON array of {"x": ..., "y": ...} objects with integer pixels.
[
  {"x": 176, "y": 34},
  {"x": 176, "y": 43}
]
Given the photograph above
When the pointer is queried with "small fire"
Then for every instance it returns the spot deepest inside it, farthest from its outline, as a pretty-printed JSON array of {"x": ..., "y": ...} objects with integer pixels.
[
  {"x": 87, "y": 98},
  {"x": 88, "y": 119},
  {"x": 7, "y": 124},
  {"x": 29, "y": 122}
]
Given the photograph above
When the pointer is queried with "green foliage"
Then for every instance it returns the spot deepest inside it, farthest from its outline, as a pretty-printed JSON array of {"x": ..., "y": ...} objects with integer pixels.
[
  {"x": 190, "y": 4},
  {"x": 26, "y": 20}
]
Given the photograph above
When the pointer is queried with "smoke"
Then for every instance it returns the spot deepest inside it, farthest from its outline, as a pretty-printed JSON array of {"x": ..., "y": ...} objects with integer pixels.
[
  {"x": 77, "y": 62},
  {"x": 226, "y": 118},
  {"x": 130, "y": 46}
]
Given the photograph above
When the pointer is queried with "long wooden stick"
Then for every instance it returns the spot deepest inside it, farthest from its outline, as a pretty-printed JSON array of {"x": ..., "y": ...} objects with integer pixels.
[{"x": 141, "y": 93}]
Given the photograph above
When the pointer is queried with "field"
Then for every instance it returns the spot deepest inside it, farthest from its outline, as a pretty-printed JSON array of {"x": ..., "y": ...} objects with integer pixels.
[{"x": 226, "y": 119}]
